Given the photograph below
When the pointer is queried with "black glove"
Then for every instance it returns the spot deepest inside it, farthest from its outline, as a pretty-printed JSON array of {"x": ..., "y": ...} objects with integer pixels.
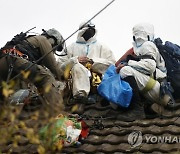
[
  {"x": 131, "y": 57},
  {"x": 158, "y": 42}
]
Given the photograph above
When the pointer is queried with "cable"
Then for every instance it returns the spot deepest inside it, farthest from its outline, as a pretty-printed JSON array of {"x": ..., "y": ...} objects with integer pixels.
[{"x": 54, "y": 48}]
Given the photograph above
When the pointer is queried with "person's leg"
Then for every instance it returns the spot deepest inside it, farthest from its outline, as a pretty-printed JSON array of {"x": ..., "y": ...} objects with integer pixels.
[
  {"x": 136, "y": 109},
  {"x": 3, "y": 74},
  {"x": 99, "y": 67},
  {"x": 43, "y": 80},
  {"x": 142, "y": 80},
  {"x": 80, "y": 80}
]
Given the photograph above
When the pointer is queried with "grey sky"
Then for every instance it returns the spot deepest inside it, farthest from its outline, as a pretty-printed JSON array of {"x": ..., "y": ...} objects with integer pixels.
[{"x": 114, "y": 24}]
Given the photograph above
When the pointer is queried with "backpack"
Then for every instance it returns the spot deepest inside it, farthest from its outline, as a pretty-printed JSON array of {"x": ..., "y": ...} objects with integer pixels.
[
  {"x": 171, "y": 54},
  {"x": 20, "y": 43}
]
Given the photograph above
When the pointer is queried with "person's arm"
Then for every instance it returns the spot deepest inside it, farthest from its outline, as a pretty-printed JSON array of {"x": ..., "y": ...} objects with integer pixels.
[
  {"x": 123, "y": 58},
  {"x": 121, "y": 62},
  {"x": 49, "y": 60},
  {"x": 105, "y": 55},
  {"x": 147, "y": 64}
]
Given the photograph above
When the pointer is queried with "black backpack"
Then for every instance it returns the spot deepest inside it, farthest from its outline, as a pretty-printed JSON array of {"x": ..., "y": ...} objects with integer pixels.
[
  {"x": 20, "y": 42},
  {"x": 171, "y": 54}
]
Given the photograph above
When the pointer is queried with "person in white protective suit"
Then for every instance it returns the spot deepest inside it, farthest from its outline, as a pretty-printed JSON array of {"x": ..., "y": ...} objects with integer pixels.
[
  {"x": 143, "y": 72},
  {"x": 87, "y": 49}
]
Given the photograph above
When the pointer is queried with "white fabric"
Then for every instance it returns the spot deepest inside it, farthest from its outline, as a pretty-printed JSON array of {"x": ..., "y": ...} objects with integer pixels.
[
  {"x": 80, "y": 79},
  {"x": 142, "y": 80},
  {"x": 142, "y": 30},
  {"x": 72, "y": 135},
  {"x": 140, "y": 69},
  {"x": 158, "y": 64},
  {"x": 99, "y": 53},
  {"x": 139, "y": 42}
]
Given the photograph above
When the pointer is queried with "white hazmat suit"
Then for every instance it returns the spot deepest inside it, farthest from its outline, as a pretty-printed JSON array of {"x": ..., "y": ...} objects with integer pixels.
[
  {"x": 101, "y": 55},
  {"x": 147, "y": 69}
]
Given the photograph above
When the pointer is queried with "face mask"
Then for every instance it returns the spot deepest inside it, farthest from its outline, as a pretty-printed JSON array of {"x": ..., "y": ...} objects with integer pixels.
[
  {"x": 88, "y": 33},
  {"x": 139, "y": 42},
  {"x": 59, "y": 47}
]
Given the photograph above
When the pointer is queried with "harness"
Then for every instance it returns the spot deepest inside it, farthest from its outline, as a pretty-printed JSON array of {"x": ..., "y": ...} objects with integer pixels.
[
  {"x": 151, "y": 83},
  {"x": 19, "y": 46},
  {"x": 22, "y": 49},
  {"x": 28, "y": 49},
  {"x": 146, "y": 57},
  {"x": 9, "y": 53},
  {"x": 14, "y": 52},
  {"x": 95, "y": 77}
]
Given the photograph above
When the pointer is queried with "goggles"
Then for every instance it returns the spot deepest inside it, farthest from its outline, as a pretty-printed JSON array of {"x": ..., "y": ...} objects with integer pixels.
[{"x": 89, "y": 25}]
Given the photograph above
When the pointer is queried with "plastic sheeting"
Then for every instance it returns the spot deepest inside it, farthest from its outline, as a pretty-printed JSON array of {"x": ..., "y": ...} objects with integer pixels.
[{"x": 114, "y": 89}]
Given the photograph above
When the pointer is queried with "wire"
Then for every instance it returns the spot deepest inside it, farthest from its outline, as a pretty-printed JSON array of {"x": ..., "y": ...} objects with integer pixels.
[{"x": 54, "y": 48}]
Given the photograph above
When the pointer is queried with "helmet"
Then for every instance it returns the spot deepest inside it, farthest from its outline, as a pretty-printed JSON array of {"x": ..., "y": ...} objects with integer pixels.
[{"x": 55, "y": 34}]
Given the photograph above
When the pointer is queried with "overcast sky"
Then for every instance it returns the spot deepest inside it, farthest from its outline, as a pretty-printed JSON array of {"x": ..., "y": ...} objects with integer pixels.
[{"x": 114, "y": 24}]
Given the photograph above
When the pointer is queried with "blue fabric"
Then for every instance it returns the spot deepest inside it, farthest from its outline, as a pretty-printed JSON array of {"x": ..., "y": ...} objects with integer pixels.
[
  {"x": 172, "y": 48},
  {"x": 114, "y": 89},
  {"x": 171, "y": 54}
]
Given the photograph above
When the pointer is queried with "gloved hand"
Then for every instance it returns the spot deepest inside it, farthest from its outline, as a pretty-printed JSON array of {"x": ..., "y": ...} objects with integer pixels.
[
  {"x": 121, "y": 65},
  {"x": 158, "y": 42},
  {"x": 131, "y": 57},
  {"x": 83, "y": 59}
]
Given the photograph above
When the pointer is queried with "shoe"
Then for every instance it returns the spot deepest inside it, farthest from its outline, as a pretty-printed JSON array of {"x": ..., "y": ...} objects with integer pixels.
[
  {"x": 172, "y": 105},
  {"x": 77, "y": 100},
  {"x": 80, "y": 97},
  {"x": 162, "y": 112},
  {"x": 91, "y": 99}
]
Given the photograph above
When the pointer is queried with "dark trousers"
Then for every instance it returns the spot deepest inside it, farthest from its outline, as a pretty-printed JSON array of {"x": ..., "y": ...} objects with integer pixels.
[{"x": 38, "y": 75}]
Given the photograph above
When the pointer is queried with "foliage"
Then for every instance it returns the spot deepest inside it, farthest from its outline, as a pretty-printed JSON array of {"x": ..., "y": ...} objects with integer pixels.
[{"x": 18, "y": 127}]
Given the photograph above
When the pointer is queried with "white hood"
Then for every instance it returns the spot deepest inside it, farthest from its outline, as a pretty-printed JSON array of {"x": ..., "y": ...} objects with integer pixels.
[
  {"x": 142, "y": 31},
  {"x": 80, "y": 39}
]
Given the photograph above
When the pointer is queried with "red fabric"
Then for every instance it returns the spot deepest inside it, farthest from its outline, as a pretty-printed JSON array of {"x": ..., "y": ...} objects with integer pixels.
[
  {"x": 84, "y": 131},
  {"x": 129, "y": 52}
]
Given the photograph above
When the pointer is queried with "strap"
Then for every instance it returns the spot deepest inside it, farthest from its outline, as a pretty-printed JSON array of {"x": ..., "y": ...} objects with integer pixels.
[
  {"x": 15, "y": 52},
  {"x": 150, "y": 84},
  {"x": 146, "y": 57},
  {"x": 29, "y": 49},
  {"x": 10, "y": 63}
]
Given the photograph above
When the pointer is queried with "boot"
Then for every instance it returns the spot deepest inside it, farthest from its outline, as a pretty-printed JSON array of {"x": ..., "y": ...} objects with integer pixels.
[
  {"x": 136, "y": 108},
  {"x": 167, "y": 99}
]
